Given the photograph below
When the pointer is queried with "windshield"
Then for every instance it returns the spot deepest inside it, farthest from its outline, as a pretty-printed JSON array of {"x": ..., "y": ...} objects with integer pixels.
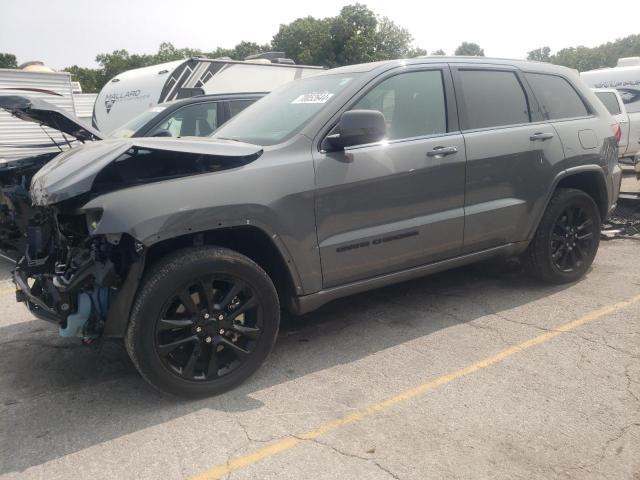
[
  {"x": 133, "y": 125},
  {"x": 284, "y": 112}
]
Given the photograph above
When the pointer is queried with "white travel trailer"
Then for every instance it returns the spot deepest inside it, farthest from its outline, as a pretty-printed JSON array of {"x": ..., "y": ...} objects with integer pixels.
[
  {"x": 135, "y": 91},
  {"x": 20, "y": 139},
  {"x": 625, "y": 78}
]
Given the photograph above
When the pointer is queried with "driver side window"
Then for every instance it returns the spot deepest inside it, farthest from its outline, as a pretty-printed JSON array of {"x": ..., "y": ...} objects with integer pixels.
[
  {"x": 197, "y": 120},
  {"x": 413, "y": 104}
]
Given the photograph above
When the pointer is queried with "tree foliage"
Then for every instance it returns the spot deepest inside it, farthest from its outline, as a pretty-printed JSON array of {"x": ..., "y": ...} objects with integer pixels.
[
  {"x": 438, "y": 52},
  {"x": 584, "y": 58},
  {"x": 307, "y": 41},
  {"x": 542, "y": 54},
  {"x": 8, "y": 60},
  {"x": 470, "y": 49},
  {"x": 90, "y": 79},
  {"x": 356, "y": 35}
]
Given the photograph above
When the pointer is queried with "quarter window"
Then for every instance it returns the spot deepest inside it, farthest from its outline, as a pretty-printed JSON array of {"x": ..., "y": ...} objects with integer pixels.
[
  {"x": 610, "y": 101},
  {"x": 557, "y": 98},
  {"x": 493, "y": 98},
  {"x": 413, "y": 104}
]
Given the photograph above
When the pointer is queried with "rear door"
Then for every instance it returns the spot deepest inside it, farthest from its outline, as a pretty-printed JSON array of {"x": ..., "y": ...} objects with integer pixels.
[
  {"x": 398, "y": 203},
  {"x": 512, "y": 156}
]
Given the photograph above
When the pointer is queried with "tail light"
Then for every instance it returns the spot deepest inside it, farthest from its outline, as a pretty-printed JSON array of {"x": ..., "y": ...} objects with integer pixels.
[{"x": 617, "y": 132}]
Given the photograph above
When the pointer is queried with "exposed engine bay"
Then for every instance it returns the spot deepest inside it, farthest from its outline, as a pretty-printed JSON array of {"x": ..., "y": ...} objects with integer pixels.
[
  {"x": 73, "y": 268},
  {"x": 69, "y": 277}
]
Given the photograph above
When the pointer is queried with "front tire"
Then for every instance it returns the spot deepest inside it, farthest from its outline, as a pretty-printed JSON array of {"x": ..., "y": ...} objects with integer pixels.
[
  {"x": 567, "y": 238},
  {"x": 203, "y": 321}
]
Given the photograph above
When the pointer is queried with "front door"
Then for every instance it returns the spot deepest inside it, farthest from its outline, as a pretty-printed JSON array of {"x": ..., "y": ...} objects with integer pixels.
[{"x": 399, "y": 203}]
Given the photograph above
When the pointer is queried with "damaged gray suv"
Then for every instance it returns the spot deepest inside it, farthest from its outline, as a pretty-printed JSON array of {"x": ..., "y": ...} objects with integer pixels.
[{"x": 346, "y": 181}]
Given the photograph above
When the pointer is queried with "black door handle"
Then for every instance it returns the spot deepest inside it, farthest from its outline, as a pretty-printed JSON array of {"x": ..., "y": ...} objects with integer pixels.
[
  {"x": 541, "y": 136},
  {"x": 441, "y": 151}
]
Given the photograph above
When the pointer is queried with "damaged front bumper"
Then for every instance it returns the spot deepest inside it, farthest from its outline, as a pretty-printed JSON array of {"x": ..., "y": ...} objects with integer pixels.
[{"x": 83, "y": 284}]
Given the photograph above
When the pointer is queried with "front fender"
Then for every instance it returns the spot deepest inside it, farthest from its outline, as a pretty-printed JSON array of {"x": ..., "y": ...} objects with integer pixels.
[{"x": 277, "y": 198}]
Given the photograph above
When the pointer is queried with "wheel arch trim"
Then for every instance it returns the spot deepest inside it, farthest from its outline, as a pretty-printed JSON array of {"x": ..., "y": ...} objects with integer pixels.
[{"x": 567, "y": 173}]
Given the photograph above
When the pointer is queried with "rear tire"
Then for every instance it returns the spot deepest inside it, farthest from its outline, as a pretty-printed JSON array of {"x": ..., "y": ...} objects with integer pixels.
[
  {"x": 203, "y": 321},
  {"x": 567, "y": 239}
]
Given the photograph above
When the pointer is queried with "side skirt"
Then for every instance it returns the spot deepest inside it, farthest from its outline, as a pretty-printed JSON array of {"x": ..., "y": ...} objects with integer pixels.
[{"x": 308, "y": 303}]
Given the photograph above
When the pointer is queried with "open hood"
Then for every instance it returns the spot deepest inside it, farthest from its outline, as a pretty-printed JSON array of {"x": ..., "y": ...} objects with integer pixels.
[
  {"x": 44, "y": 113},
  {"x": 115, "y": 164}
]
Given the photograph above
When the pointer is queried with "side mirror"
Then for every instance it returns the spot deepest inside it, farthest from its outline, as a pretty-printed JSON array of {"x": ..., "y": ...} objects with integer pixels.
[
  {"x": 358, "y": 127},
  {"x": 161, "y": 133}
]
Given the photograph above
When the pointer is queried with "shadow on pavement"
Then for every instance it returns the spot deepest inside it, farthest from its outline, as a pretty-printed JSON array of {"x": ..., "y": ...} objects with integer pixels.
[{"x": 58, "y": 397}]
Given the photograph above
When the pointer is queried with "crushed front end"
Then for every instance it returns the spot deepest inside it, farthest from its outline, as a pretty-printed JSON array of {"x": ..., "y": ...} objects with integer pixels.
[
  {"x": 92, "y": 218},
  {"x": 70, "y": 277}
]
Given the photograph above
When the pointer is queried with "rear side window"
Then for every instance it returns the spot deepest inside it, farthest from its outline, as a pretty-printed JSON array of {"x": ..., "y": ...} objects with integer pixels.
[
  {"x": 413, "y": 104},
  {"x": 610, "y": 101},
  {"x": 557, "y": 98},
  {"x": 493, "y": 99},
  {"x": 197, "y": 120}
]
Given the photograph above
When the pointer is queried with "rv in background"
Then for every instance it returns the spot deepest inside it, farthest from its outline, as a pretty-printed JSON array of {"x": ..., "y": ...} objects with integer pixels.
[
  {"x": 20, "y": 139},
  {"x": 135, "y": 91},
  {"x": 625, "y": 78},
  {"x": 83, "y": 103}
]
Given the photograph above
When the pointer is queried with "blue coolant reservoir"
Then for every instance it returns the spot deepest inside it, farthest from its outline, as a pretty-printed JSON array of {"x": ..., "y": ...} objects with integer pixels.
[
  {"x": 76, "y": 321},
  {"x": 98, "y": 298}
]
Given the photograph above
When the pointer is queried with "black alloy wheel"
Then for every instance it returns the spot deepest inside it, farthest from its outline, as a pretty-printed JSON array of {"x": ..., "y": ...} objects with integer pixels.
[
  {"x": 204, "y": 320},
  {"x": 208, "y": 327},
  {"x": 567, "y": 238},
  {"x": 572, "y": 239}
]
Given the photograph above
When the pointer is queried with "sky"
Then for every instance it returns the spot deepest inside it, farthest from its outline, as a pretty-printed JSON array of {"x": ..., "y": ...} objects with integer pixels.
[{"x": 62, "y": 33}]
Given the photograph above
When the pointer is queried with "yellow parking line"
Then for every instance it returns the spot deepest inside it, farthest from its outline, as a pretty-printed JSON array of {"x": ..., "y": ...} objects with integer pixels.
[
  {"x": 289, "y": 442},
  {"x": 7, "y": 291}
]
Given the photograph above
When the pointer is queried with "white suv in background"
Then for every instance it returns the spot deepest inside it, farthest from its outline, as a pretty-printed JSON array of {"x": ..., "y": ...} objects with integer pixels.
[{"x": 629, "y": 144}]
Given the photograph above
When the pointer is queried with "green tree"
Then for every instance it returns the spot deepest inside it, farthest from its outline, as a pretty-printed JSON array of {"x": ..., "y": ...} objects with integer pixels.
[
  {"x": 89, "y": 78},
  {"x": 393, "y": 41},
  {"x": 416, "y": 52},
  {"x": 356, "y": 35},
  {"x": 542, "y": 54},
  {"x": 353, "y": 35},
  {"x": 118, "y": 61},
  {"x": 8, "y": 60},
  {"x": 605, "y": 55},
  {"x": 581, "y": 58},
  {"x": 307, "y": 41},
  {"x": 438, "y": 52},
  {"x": 168, "y": 53},
  {"x": 470, "y": 49},
  {"x": 244, "y": 49}
]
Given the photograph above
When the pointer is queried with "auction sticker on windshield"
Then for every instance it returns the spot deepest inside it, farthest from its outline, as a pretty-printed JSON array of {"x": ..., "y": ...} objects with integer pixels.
[{"x": 314, "y": 97}]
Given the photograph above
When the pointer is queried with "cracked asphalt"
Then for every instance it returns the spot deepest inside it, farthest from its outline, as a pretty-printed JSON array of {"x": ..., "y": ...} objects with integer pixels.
[{"x": 568, "y": 407}]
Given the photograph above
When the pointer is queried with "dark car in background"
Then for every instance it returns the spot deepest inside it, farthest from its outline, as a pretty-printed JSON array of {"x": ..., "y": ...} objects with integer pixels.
[{"x": 190, "y": 117}]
